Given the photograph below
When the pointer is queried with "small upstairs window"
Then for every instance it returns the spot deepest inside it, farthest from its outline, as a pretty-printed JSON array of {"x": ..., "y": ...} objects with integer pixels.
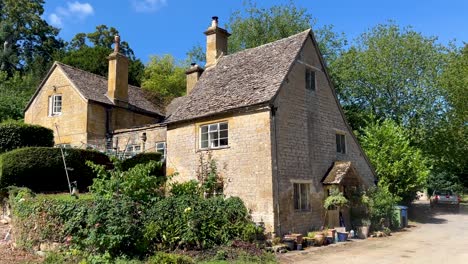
[
  {"x": 55, "y": 105},
  {"x": 161, "y": 148},
  {"x": 310, "y": 79},
  {"x": 214, "y": 135},
  {"x": 340, "y": 143}
]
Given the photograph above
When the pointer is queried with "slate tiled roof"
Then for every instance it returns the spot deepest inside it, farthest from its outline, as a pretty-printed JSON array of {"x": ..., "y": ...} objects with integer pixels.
[
  {"x": 245, "y": 78},
  {"x": 94, "y": 87}
]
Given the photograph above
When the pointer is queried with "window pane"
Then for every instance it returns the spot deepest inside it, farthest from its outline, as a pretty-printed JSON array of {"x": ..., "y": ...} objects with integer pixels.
[
  {"x": 338, "y": 146},
  {"x": 204, "y": 136},
  {"x": 213, "y": 135},
  {"x": 223, "y": 134},
  {"x": 223, "y": 142},
  {"x": 304, "y": 196},
  {"x": 214, "y": 143},
  {"x": 213, "y": 127},
  {"x": 204, "y": 144},
  {"x": 223, "y": 126},
  {"x": 312, "y": 80},
  {"x": 343, "y": 144},
  {"x": 296, "y": 196},
  {"x": 204, "y": 129}
]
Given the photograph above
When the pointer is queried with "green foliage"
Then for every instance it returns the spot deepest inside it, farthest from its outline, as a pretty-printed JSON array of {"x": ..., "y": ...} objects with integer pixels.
[
  {"x": 41, "y": 169},
  {"x": 169, "y": 258},
  {"x": 15, "y": 92},
  {"x": 94, "y": 58},
  {"x": 15, "y": 135},
  {"x": 444, "y": 181},
  {"x": 335, "y": 199},
  {"x": 165, "y": 76},
  {"x": 194, "y": 222},
  {"x": 392, "y": 72},
  {"x": 400, "y": 167},
  {"x": 141, "y": 158},
  {"x": 189, "y": 188},
  {"x": 138, "y": 184},
  {"x": 380, "y": 204},
  {"x": 211, "y": 184},
  {"x": 31, "y": 41}
]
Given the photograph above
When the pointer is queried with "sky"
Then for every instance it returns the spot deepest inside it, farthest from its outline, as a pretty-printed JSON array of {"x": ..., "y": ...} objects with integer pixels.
[{"x": 157, "y": 27}]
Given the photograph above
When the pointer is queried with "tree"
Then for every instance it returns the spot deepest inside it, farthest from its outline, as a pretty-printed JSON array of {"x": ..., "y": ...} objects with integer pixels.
[
  {"x": 93, "y": 58},
  {"x": 29, "y": 38},
  {"x": 15, "y": 92},
  {"x": 401, "y": 168},
  {"x": 392, "y": 72},
  {"x": 253, "y": 26},
  {"x": 447, "y": 142},
  {"x": 165, "y": 76}
]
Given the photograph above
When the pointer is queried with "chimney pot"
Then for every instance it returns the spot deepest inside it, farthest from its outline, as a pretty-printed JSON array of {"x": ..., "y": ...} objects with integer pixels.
[
  {"x": 214, "y": 22},
  {"x": 117, "y": 43},
  {"x": 193, "y": 64}
]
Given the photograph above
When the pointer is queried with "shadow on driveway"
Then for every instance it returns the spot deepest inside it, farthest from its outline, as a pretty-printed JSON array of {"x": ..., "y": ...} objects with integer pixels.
[{"x": 421, "y": 212}]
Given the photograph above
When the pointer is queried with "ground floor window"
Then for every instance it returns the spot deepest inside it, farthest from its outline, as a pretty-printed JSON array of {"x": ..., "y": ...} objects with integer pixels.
[
  {"x": 301, "y": 196},
  {"x": 133, "y": 148},
  {"x": 161, "y": 148}
]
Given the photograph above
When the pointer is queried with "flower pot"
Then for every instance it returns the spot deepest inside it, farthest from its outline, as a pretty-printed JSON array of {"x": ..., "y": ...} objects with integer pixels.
[
  {"x": 290, "y": 244},
  {"x": 319, "y": 239},
  {"x": 342, "y": 237},
  {"x": 331, "y": 233},
  {"x": 363, "y": 232}
]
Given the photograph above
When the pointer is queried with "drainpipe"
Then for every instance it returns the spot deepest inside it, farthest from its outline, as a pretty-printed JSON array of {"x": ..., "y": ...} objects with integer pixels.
[{"x": 275, "y": 168}]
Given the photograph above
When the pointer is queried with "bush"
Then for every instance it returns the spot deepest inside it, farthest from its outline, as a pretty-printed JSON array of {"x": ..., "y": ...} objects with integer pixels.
[
  {"x": 189, "y": 188},
  {"x": 143, "y": 158},
  {"x": 168, "y": 258},
  {"x": 15, "y": 135},
  {"x": 41, "y": 169},
  {"x": 381, "y": 205},
  {"x": 195, "y": 223}
]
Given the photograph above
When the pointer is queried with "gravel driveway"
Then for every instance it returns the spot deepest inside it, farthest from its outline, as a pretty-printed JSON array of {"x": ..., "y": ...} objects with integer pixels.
[{"x": 437, "y": 236}]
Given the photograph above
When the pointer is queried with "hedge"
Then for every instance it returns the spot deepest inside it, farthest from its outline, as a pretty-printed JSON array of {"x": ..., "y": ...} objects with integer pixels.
[
  {"x": 15, "y": 135},
  {"x": 142, "y": 158},
  {"x": 41, "y": 169}
]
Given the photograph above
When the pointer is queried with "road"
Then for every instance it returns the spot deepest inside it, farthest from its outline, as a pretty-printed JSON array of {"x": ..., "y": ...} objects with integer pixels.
[{"x": 436, "y": 236}]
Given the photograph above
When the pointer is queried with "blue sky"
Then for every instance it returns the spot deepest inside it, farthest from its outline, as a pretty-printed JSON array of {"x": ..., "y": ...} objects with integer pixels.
[{"x": 156, "y": 27}]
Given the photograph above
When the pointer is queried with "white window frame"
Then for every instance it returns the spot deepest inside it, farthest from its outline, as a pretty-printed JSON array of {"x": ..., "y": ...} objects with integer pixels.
[
  {"x": 343, "y": 148},
  {"x": 301, "y": 191},
  {"x": 55, "y": 108},
  {"x": 308, "y": 82},
  {"x": 162, "y": 149},
  {"x": 215, "y": 135},
  {"x": 134, "y": 148}
]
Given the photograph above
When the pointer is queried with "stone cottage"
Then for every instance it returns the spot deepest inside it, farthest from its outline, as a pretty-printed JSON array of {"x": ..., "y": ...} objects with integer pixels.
[{"x": 268, "y": 116}]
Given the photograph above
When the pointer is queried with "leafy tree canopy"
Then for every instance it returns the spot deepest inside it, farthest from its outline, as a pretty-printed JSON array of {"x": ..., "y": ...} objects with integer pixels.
[
  {"x": 392, "y": 72},
  {"x": 89, "y": 52},
  {"x": 15, "y": 93},
  {"x": 400, "y": 167},
  {"x": 165, "y": 76},
  {"x": 27, "y": 40}
]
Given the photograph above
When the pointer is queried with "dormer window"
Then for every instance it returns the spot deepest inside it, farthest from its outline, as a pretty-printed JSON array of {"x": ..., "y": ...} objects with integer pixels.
[{"x": 55, "y": 105}]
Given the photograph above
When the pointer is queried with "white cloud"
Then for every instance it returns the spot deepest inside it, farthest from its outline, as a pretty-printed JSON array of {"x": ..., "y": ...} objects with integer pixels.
[
  {"x": 73, "y": 10},
  {"x": 148, "y": 5},
  {"x": 55, "y": 20}
]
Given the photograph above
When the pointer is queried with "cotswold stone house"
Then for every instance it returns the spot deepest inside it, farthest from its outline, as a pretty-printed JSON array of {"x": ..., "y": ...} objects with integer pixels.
[{"x": 268, "y": 116}]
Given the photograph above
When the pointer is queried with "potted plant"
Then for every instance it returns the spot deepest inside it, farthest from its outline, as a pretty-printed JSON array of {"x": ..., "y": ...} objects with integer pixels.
[{"x": 362, "y": 230}]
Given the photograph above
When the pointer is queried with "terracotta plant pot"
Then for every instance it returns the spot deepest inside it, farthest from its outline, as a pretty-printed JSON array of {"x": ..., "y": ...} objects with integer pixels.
[{"x": 319, "y": 239}]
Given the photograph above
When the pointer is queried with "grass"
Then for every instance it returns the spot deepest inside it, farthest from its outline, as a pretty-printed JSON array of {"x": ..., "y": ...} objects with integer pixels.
[{"x": 65, "y": 196}]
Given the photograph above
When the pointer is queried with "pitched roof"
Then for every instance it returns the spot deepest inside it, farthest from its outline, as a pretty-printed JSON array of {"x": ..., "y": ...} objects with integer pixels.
[
  {"x": 94, "y": 87},
  {"x": 342, "y": 172},
  {"x": 245, "y": 78}
]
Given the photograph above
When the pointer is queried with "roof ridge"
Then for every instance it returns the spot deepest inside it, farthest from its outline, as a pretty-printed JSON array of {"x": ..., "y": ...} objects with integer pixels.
[
  {"x": 270, "y": 43},
  {"x": 81, "y": 70}
]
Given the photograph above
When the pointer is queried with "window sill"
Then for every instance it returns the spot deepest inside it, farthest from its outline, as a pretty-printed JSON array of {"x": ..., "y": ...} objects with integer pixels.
[
  {"x": 55, "y": 115},
  {"x": 208, "y": 149},
  {"x": 302, "y": 211}
]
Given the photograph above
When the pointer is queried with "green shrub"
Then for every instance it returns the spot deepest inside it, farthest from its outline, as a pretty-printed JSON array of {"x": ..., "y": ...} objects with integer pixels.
[
  {"x": 168, "y": 258},
  {"x": 189, "y": 188},
  {"x": 193, "y": 222},
  {"x": 142, "y": 158},
  {"x": 41, "y": 169},
  {"x": 15, "y": 135},
  {"x": 380, "y": 204},
  {"x": 137, "y": 184}
]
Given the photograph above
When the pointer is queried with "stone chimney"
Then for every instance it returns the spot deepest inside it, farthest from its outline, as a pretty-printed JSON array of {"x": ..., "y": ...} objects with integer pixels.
[
  {"x": 117, "y": 84},
  {"x": 193, "y": 74},
  {"x": 216, "y": 42}
]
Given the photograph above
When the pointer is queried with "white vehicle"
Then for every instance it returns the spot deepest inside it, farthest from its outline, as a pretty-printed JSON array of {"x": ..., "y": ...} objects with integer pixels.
[{"x": 445, "y": 198}]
